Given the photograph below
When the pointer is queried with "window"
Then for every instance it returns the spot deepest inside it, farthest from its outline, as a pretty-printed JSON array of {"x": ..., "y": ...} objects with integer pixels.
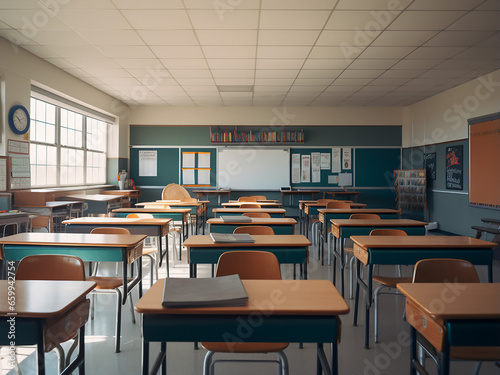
[{"x": 68, "y": 147}]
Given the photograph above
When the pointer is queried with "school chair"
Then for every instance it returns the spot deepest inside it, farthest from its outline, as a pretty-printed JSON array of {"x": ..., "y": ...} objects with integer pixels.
[
  {"x": 254, "y": 229},
  {"x": 57, "y": 267},
  {"x": 249, "y": 265},
  {"x": 249, "y": 205},
  {"x": 257, "y": 214},
  {"x": 247, "y": 199}
]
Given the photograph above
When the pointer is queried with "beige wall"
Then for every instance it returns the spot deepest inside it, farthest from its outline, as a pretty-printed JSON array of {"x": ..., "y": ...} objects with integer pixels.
[
  {"x": 443, "y": 117},
  {"x": 264, "y": 116},
  {"x": 19, "y": 69}
]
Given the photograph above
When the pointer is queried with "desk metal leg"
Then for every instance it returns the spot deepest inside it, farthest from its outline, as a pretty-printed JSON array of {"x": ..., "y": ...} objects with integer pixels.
[
  {"x": 322, "y": 362},
  {"x": 40, "y": 354},
  {"x": 413, "y": 351}
]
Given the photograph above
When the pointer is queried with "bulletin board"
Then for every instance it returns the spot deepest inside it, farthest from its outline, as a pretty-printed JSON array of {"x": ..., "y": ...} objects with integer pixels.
[{"x": 198, "y": 167}]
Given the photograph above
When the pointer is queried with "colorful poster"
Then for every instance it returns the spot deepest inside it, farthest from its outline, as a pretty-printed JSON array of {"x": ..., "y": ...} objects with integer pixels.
[
  {"x": 454, "y": 168},
  {"x": 295, "y": 168}
]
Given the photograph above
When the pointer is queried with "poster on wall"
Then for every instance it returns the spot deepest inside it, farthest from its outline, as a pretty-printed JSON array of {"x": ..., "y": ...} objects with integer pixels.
[
  {"x": 454, "y": 168},
  {"x": 306, "y": 169},
  {"x": 430, "y": 165},
  {"x": 147, "y": 163},
  {"x": 325, "y": 160},
  {"x": 336, "y": 160},
  {"x": 295, "y": 168},
  {"x": 346, "y": 158},
  {"x": 315, "y": 167}
]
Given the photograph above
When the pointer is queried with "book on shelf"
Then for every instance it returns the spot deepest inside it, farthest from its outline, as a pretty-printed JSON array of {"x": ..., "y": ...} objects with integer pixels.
[
  {"x": 236, "y": 219},
  {"x": 204, "y": 292},
  {"x": 231, "y": 238}
]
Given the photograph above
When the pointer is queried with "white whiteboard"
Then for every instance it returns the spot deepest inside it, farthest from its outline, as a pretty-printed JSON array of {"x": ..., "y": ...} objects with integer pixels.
[{"x": 253, "y": 168}]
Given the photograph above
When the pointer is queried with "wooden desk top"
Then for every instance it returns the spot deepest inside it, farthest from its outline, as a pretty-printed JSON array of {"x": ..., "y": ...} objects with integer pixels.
[
  {"x": 283, "y": 192},
  {"x": 116, "y": 221},
  {"x": 398, "y": 242},
  {"x": 358, "y": 210},
  {"x": 260, "y": 203},
  {"x": 137, "y": 210},
  {"x": 52, "y": 204},
  {"x": 43, "y": 299},
  {"x": 126, "y": 192},
  {"x": 473, "y": 300},
  {"x": 73, "y": 239},
  {"x": 342, "y": 192},
  {"x": 211, "y": 191},
  {"x": 95, "y": 197},
  {"x": 376, "y": 223},
  {"x": 316, "y": 204},
  {"x": 256, "y": 221},
  {"x": 297, "y": 297},
  {"x": 288, "y": 240},
  {"x": 179, "y": 203},
  {"x": 242, "y": 210}
]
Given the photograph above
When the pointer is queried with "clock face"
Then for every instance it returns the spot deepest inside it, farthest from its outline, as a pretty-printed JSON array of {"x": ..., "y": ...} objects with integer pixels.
[{"x": 20, "y": 119}]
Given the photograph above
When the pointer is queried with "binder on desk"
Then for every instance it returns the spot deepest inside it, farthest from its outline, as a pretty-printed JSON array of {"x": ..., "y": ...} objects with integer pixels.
[
  {"x": 232, "y": 238},
  {"x": 204, "y": 292},
  {"x": 236, "y": 219}
]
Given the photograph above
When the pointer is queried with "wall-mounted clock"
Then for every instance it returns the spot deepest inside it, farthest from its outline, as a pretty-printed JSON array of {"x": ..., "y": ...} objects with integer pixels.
[{"x": 19, "y": 119}]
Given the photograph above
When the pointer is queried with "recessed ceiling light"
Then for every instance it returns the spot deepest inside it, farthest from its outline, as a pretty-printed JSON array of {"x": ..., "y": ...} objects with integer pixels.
[{"x": 235, "y": 88}]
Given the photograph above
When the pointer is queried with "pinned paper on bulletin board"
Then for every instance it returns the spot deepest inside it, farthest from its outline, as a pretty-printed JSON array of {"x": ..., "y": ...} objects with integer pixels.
[
  {"x": 346, "y": 158},
  {"x": 306, "y": 168},
  {"x": 325, "y": 160},
  {"x": 345, "y": 179},
  {"x": 315, "y": 167},
  {"x": 295, "y": 168},
  {"x": 333, "y": 179},
  {"x": 336, "y": 165}
]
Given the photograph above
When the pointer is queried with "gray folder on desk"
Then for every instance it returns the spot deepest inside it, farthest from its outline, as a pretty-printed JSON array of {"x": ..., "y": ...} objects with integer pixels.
[
  {"x": 231, "y": 238},
  {"x": 236, "y": 219},
  {"x": 204, "y": 292}
]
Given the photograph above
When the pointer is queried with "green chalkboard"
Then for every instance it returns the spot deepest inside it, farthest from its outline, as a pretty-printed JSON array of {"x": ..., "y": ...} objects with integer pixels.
[
  {"x": 375, "y": 166},
  {"x": 167, "y": 167}
]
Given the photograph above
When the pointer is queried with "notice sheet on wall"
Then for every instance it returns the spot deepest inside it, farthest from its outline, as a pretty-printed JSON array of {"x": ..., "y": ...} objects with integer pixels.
[
  {"x": 336, "y": 160},
  {"x": 325, "y": 160},
  {"x": 306, "y": 169},
  {"x": 346, "y": 158},
  {"x": 148, "y": 163},
  {"x": 315, "y": 167},
  {"x": 295, "y": 168}
]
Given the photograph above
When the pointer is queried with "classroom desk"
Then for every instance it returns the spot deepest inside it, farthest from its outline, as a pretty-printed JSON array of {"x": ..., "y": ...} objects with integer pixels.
[
  {"x": 470, "y": 317},
  {"x": 280, "y": 225},
  {"x": 176, "y": 214},
  {"x": 201, "y": 193},
  {"x": 291, "y": 193},
  {"x": 122, "y": 248},
  {"x": 309, "y": 312},
  {"x": 261, "y": 204},
  {"x": 274, "y": 212},
  {"x": 386, "y": 250},
  {"x": 344, "y": 228},
  {"x": 131, "y": 194},
  {"x": 54, "y": 210},
  {"x": 99, "y": 203},
  {"x": 42, "y": 310},
  {"x": 287, "y": 248},
  {"x": 150, "y": 227},
  {"x": 198, "y": 208},
  {"x": 342, "y": 193},
  {"x": 16, "y": 219}
]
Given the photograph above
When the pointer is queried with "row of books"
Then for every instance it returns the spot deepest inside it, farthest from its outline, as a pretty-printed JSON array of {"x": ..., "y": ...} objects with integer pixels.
[{"x": 223, "y": 135}]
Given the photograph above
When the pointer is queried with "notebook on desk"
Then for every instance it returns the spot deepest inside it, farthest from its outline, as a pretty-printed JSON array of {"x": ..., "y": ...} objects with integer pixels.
[
  {"x": 204, "y": 292},
  {"x": 236, "y": 219},
  {"x": 231, "y": 237}
]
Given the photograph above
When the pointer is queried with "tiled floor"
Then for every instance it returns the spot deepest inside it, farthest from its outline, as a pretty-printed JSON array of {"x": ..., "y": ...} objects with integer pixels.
[{"x": 390, "y": 356}]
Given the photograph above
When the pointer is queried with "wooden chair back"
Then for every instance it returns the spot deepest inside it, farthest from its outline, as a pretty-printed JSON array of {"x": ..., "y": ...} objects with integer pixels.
[
  {"x": 140, "y": 216},
  {"x": 254, "y": 229},
  {"x": 257, "y": 214},
  {"x": 365, "y": 216},
  {"x": 388, "y": 232},
  {"x": 189, "y": 200},
  {"x": 259, "y": 197},
  {"x": 338, "y": 204},
  {"x": 247, "y": 199},
  {"x": 157, "y": 205},
  {"x": 250, "y": 265},
  {"x": 174, "y": 192},
  {"x": 249, "y": 205},
  {"x": 444, "y": 270},
  {"x": 51, "y": 267},
  {"x": 325, "y": 201},
  {"x": 109, "y": 230}
]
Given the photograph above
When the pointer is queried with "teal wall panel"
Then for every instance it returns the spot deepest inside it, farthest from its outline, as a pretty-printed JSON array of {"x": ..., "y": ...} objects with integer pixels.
[{"x": 375, "y": 167}]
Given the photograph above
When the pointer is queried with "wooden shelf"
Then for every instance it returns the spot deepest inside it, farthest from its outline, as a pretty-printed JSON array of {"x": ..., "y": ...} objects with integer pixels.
[{"x": 233, "y": 135}]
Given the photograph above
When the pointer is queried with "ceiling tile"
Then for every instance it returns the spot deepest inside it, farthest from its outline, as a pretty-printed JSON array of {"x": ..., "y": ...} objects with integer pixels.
[
  {"x": 434, "y": 52},
  {"x": 234, "y": 19},
  {"x": 229, "y": 52},
  {"x": 316, "y": 73},
  {"x": 173, "y": 63},
  {"x": 157, "y": 19},
  {"x": 373, "y": 4},
  {"x": 361, "y": 20},
  {"x": 275, "y": 73},
  {"x": 169, "y": 37},
  {"x": 386, "y": 52},
  {"x": 279, "y": 63},
  {"x": 372, "y": 63},
  {"x": 335, "y": 52},
  {"x": 233, "y": 73},
  {"x": 284, "y": 19},
  {"x": 425, "y": 20},
  {"x": 227, "y": 37},
  {"x": 357, "y": 38},
  {"x": 326, "y": 64},
  {"x": 457, "y": 38},
  {"x": 146, "y": 4},
  {"x": 89, "y": 19},
  {"x": 478, "y": 20},
  {"x": 226, "y": 6},
  {"x": 444, "y": 4},
  {"x": 231, "y": 63},
  {"x": 298, "y": 4},
  {"x": 361, "y": 73},
  {"x": 178, "y": 52},
  {"x": 127, "y": 51},
  {"x": 288, "y": 37},
  {"x": 403, "y": 38},
  {"x": 287, "y": 52}
]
